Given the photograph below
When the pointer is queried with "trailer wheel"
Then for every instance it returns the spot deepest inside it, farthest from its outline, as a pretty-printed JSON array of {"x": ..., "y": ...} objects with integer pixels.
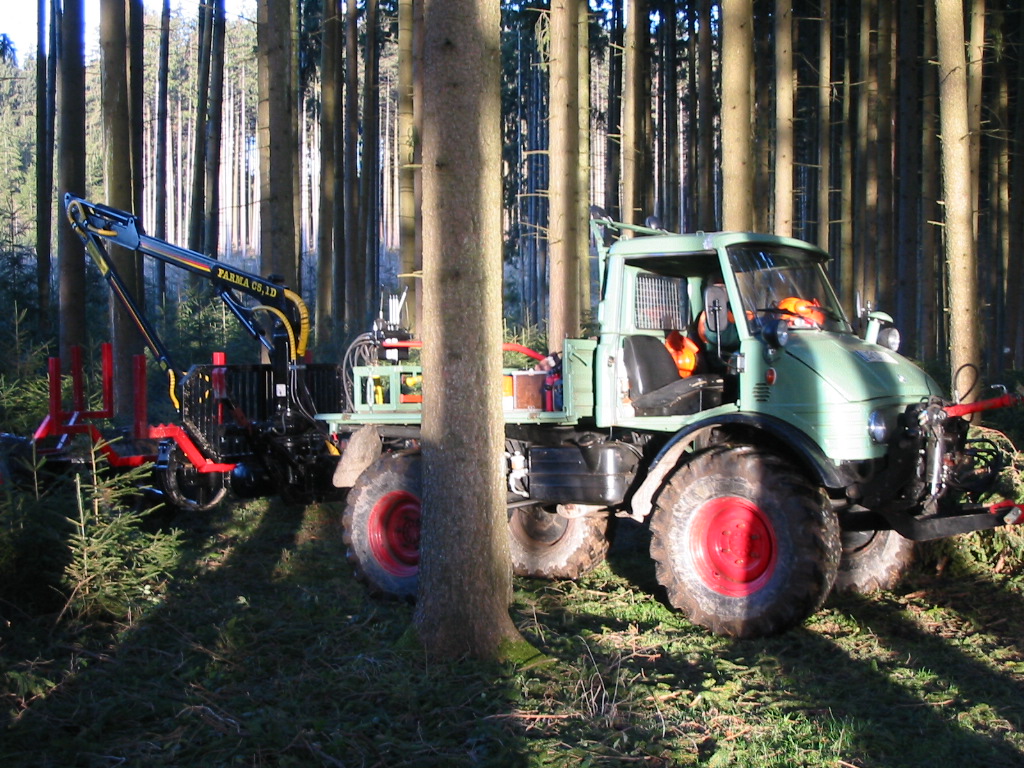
[
  {"x": 548, "y": 545},
  {"x": 743, "y": 544},
  {"x": 873, "y": 561},
  {"x": 381, "y": 526},
  {"x": 185, "y": 487}
]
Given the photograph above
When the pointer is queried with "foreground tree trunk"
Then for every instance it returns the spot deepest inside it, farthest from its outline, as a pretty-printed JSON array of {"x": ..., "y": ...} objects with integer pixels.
[
  {"x": 465, "y": 581},
  {"x": 961, "y": 258}
]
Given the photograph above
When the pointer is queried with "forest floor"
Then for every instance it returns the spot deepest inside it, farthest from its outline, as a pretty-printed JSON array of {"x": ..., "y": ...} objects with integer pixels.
[{"x": 266, "y": 652}]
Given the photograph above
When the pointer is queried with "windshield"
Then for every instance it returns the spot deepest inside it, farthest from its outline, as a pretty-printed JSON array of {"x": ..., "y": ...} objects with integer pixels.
[{"x": 788, "y": 283}]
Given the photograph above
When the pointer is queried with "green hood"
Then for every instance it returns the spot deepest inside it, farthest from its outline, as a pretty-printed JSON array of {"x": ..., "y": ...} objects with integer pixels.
[{"x": 860, "y": 371}]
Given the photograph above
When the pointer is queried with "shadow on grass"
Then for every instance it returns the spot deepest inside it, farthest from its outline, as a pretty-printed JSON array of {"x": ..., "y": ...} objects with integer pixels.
[
  {"x": 885, "y": 681},
  {"x": 267, "y": 652}
]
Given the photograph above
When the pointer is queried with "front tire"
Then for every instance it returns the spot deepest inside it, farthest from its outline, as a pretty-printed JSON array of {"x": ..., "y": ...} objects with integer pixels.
[
  {"x": 743, "y": 544},
  {"x": 381, "y": 525},
  {"x": 547, "y": 543},
  {"x": 873, "y": 561}
]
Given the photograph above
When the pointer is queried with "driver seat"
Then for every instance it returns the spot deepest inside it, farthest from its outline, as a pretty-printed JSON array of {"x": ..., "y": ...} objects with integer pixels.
[{"x": 655, "y": 387}]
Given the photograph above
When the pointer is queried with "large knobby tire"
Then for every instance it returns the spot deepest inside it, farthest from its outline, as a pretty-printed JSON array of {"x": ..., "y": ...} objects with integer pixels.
[
  {"x": 744, "y": 544},
  {"x": 873, "y": 561},
  {"x": 547, "y": 545},
  {"x": 381, "y": 525}
]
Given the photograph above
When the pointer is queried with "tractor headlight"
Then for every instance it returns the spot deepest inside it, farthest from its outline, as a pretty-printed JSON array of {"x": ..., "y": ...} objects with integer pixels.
[
  {"x": 776, "y": 333},
  {"x": 889, "y": 338},
  {"x": 877, "y": 429}
]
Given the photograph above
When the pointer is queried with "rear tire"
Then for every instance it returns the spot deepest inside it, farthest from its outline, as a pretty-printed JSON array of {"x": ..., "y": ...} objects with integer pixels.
[
  {"x": 548, "y": 545},
  {"x": 381, "y": 526},
  {"x": 743, "y": 544},
  {"x": 873, "y": 561}
]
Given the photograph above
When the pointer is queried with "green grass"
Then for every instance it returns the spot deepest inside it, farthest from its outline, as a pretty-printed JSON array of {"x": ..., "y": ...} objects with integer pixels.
[{"x": 264, "y": 651}]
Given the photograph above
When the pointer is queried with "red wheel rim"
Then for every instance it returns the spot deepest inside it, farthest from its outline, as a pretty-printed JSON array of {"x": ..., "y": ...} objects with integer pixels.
[
  {"x": 733, "y": 546},
  {"x": 394, "y": 533}
]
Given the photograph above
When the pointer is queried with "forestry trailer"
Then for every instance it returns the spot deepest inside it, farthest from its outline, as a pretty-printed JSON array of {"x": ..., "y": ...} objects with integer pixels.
[{"x": 727, "y": 401}]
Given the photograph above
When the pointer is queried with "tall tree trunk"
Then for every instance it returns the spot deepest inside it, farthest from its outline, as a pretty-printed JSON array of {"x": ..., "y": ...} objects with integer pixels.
[
  {"x": 583, "y": 163},
  {"x": 634, "y": 103},
  {"x": 407, "y": 139},
  {"x": 44, "y": 171},
  {"x": 908, "y": 175},
  {"x": 297, "y": 126},
  {"x": 71, "y": 176},
  {"x": 975, "y": 61},
  {"x": 197, "y": 205},
  {"x": 961, "y": 259},
  {"x": 784, "y": 94},
  {"x": 737, "y": 156},
  {"x": 214, "y": 125},
  {"x": 884, "y": 240},
  {"x": 369, "y": 181},
  {"x": 160, "y": 160},
  {"x": 117, "y": 175},
  {"x": 669, "y": 208},
  {"x": 277, "y": 220},
  {"x": 865, "y": 180},
  {"x": 465, "y": 584},
  {"x": 824, "y": 202},
  {"x": 613, "y": 138},
  {"x": 930, "y": 273},
  {"x": 329, "y": 93},
  {"x": 706, "y": 215},
  {"x": 1015, "y": 274},
  {"x": 563, "y": 159},
  {"x": 354, "y": 260}
]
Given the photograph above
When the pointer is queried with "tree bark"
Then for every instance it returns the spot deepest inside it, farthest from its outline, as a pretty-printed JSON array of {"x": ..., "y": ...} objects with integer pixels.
[
  {"x": 465, "y": 582},
  {"x": 71, "y": 158},
  {"x": 117, "y": 175},
  {"x": 214, "y": 125},
  {"x": 329, "y": 93},
  {"x": 634, "y": 101},
  {"x": 407, "y": 140},
  {"x": 583, "y": 165},
  {"x": 369, "y": 180},
  {"x": 961, "y": 259},
  {"x": 613, "y": 137},
  {"x": 44, "y": 171},
  {"x": 784, "y": 93},
  {"x": 197, "y": 206},
  {"x": 824, "y": 201},
  {"x": 737, "y": 155},
  {"x": 160, "y": 159},
  {"x": 707, "y": 217},
  {"x": 563, "y": 159},
  {"x": 354, "y": 275},
  {"x": 277, "y": 220}
]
